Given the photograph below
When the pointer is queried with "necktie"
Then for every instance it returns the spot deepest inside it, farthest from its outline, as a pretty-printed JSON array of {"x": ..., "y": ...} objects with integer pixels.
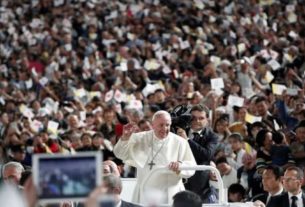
[
  {"x": 196, "y": 136},
  {"x": 294, "y": 201}
]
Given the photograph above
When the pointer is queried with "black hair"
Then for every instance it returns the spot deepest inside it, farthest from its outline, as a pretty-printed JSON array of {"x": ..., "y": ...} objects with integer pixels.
[
  {"x": 186, "y": 198},
  {"x": 236, "y": 136},
  {"x": 97, "y": 135},
  {"x": 261, "y": 136},
  {"x": 260, "y": 99},
  {"x": 276, "y": 170},
  {"x": 154, "y": 108},
  {"x": 237, "y": 188},
  {"x": 24, "y": 177},
  {"x": 257, "y": 124},
  {"x": 223, "y": 117},
  {"x": 201, "y": 108},
  {"x": 278, "y": 137},
  {"x": 221, "y": 160}
]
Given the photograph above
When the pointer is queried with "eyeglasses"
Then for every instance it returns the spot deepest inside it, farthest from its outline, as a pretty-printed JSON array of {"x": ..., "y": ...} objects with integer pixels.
[{"x": 288, "y": 179}]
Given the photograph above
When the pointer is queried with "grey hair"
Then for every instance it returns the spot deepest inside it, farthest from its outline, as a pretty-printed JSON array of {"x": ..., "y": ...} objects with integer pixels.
[
  {"x": 160, "y": 113},
  {"x": 112, "y": 182},
  {"x": 138, "y": 113},
  {"x": 13, "y": 164}
]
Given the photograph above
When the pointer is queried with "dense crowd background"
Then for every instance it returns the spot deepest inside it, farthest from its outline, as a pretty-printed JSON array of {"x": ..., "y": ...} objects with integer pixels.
[{"x": 73, "y": 72}]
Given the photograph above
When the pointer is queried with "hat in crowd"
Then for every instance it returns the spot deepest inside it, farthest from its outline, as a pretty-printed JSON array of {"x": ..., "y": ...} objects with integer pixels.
[
  {"x": 238, "y": 127},
  {"x": 17, "y": 148},
  {"x": 300, "y": 124}
]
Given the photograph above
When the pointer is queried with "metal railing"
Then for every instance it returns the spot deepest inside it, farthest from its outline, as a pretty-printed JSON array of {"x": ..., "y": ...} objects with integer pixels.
[{"x": 222, "y": 192}]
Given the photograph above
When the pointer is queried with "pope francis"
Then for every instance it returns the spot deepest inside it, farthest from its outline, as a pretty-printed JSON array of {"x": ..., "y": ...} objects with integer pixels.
[{"x": 158, "y": 147}]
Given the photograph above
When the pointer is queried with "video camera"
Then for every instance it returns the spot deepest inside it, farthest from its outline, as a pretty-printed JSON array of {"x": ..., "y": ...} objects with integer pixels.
[{"x": 181, "y": 118}]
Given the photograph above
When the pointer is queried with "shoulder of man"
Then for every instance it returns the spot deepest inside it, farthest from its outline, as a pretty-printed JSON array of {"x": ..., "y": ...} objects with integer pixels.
[
  {"x": 279, "y": 200},
  {"x": 209, "y": 133},
  {"x": 260, "y": 197}
]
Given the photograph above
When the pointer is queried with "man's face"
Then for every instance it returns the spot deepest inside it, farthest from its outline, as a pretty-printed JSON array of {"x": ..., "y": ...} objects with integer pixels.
[
  {"x": 291, "y": 182},
  {"x": 199, "y": 120},
  {"x": 300, "y": 134},
  {"x": 11, "y": 175},
  {"x": 269, "y": 181},
  {"x": 86, "y": 140},
  {"x": 261, "y": 108},
  {"x": 159, "y": 97},
  {"x": 161, "y": 126},
  {"x": 109, "y": 116},
  {"x": 4, "y": 119}
]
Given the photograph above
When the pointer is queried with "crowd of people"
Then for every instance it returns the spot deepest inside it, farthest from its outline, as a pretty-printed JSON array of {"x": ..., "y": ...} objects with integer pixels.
[{"x": 73, "y": 73}]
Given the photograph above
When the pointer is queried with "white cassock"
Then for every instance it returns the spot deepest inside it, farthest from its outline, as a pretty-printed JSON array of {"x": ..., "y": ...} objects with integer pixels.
[{"x": 142, "y": 148}]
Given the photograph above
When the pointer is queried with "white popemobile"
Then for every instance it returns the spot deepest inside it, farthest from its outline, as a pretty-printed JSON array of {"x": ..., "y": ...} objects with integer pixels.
[{"x": 129, "y": 184}]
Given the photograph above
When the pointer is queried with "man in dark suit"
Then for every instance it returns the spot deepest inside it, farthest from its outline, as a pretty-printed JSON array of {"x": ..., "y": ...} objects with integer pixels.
[
  {"x": 113, "y": 186},
  {"x": 294, "y": 197},
  {"x": 202, "y": 141},
  {"x": 272, "y": 183},
  {"x": 262, "y": 107}
]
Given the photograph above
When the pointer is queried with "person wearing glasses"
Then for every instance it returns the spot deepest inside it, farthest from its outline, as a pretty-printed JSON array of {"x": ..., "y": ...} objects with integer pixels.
[{"x": 292, "y": 182}]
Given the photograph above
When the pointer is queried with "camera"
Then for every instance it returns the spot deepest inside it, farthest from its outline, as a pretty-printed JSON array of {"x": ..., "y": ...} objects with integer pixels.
[{"x": 181, "y": 118}]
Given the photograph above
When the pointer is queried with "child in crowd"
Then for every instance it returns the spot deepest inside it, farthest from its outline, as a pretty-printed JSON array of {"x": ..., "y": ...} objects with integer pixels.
[
  {"x": 280, "y": 152},
  {"x": 236, "y": 143},
  {"x": 236, "y": 193}
]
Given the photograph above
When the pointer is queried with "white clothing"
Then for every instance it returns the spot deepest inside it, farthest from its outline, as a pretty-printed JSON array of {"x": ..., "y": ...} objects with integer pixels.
[
  {"x": 238, "y": 161},
  {"x": 299, "y": 201},
  {"x": 137, "y": 151},
  {"x": 230, "y": 178},
  {"x": 246, "y": 84}
]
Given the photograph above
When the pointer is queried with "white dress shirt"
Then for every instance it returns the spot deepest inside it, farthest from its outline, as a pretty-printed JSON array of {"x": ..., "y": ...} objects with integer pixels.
[
  {"x": 277, "y": 193},
  {"x": 299, "y": 201}
]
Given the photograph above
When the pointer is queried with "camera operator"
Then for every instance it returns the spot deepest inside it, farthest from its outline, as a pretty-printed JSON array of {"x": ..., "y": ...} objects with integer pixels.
[{"x": 202, "y": 141}]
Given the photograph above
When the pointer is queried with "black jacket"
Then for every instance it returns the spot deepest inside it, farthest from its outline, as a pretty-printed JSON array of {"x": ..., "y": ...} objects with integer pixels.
[
  {"x": 203, "y": 149},
  {"x": 282, "y": 201},
  {"x": 263, "y": 197}
]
